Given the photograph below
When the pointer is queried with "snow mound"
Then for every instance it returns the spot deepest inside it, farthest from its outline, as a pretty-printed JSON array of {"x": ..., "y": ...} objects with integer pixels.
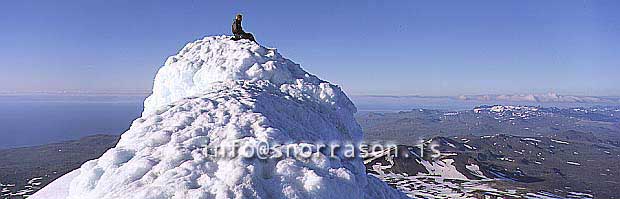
[
  {"x": 217, "y": 92},
  {"x": 203, "y": 63}
]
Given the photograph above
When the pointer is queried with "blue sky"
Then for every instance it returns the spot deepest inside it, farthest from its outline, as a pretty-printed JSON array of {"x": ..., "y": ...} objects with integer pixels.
[{"x": 367, "y": 47}]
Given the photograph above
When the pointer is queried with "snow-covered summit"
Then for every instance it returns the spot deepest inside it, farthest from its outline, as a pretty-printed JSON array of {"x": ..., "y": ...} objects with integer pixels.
[
  {"x": 217, "y": 92},
  {"x": 203, "y": 63}
]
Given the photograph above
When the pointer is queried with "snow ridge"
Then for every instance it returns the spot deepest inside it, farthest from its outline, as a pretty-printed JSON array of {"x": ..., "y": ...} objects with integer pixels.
[{"x": 214, "y": 92}]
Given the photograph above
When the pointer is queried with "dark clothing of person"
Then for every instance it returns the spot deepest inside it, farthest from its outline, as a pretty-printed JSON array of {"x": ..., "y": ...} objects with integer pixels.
[
  {"x": 238, "y": 32},
  {"x": 236, "y": 27}
]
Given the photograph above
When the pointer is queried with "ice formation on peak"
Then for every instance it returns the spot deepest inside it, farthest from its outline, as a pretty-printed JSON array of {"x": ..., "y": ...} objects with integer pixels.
[
  {"x": 206, "y": 62},
  {"x": 216, "y": 92}
]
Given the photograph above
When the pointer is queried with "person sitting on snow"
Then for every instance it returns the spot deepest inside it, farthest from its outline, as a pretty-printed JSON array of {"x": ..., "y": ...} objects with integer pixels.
[{"x": 238, "y": 32}]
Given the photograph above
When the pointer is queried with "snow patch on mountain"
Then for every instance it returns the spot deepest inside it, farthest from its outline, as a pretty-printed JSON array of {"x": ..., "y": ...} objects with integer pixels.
[{"x": 216, "y": 92}]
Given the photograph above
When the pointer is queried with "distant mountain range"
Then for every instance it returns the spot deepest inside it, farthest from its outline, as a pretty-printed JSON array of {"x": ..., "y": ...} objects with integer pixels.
[
  {"x": 548, "y": 97},
  {"x": 463, "y": 102},
  {"x": 542, "y": 98}
]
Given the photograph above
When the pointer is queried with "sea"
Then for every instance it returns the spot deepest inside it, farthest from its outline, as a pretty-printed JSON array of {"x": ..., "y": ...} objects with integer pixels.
[{"x": 41, "y": 119}]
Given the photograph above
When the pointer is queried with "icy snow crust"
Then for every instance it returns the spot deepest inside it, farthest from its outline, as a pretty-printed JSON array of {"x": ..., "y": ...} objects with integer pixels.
[
  {"x": 203, "y": 63},
  {"x": 217, "y": 91}
]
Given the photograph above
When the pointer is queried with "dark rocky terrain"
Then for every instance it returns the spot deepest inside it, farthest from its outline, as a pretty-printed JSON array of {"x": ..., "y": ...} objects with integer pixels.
[
  {"x": 528, "y": 151},
  {"x": 25, "y": 170},
  {"x": 502, "y": 165}
]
